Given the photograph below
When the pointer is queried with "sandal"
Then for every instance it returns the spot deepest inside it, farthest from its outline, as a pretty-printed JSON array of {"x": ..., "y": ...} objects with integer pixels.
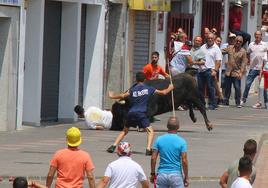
[{"x": 257, "y": 105}]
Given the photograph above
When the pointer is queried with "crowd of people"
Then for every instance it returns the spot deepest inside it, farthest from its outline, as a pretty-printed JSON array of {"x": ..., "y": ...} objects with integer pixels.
[{"x": 217, "y": 67}]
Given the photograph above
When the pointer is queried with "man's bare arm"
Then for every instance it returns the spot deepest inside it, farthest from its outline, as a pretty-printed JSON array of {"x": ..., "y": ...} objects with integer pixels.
[
  {"x": 118, "y": 96},
  {"x": 90, "y": 178},
  {"x": 103, "y": 182},
  {"x": 165, "y": 91},
  {"x": 50, "y": 176},
  {"x": 185, "y": 168},
  {"x": 224, "y": 179}
]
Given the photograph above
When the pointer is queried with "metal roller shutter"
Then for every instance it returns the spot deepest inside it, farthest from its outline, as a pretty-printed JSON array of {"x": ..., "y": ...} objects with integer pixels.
[{"x": 141, "y": 41}]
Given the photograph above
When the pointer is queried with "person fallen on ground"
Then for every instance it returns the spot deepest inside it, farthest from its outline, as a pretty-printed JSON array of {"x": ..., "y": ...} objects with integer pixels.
[
  {"x": 123, "y": 172},
  {"x": 71, "y": 163},
  {"x": 245, "y": 170},
  {"x": 95, "y": 118},
  {"x": 173, "y": 167},
  {"x": 139, "y": 95},
  {"x": 21, "y": 182},
  {"x": 229, "y": 176}
]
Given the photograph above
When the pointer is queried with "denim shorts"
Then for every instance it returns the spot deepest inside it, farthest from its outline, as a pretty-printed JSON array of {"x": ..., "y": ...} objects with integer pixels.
[
  {"x": 139, "y": 119},
  {"x": 172, "y": 180}
]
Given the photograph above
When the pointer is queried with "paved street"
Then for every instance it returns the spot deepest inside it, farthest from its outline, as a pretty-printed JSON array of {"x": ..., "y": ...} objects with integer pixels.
[{"x": 27, "y": 152}]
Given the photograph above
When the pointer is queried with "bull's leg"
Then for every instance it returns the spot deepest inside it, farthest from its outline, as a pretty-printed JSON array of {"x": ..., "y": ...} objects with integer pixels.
[
  {"x": 202, "y": 109},
  {"x": 191, "y": 112}
]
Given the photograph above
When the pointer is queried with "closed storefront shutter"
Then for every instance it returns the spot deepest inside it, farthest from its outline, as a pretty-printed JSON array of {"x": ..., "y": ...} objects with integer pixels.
[{"x": 141, "y": 41}]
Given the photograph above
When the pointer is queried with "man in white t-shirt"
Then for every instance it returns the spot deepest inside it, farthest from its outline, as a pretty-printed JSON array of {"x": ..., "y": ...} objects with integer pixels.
[
  {"x": 123, "y": 172},
  {"x": 245, "y": 169},
  {"x": 209, "y": 70},
  {"x": 257, "y": 52},
  {"x": 95, "y": 118}
]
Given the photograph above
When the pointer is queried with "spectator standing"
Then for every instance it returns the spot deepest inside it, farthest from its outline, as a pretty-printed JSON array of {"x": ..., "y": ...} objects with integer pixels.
[
  {"x": 257, "y": 52},
  {"x": 95, "y": 118},
  {"x": 235, "y": 20},
  {"x": 123, "y": 172},
  {"x": 229, "y": 176},
  {"x": 182, "y": 38},
  {"x": 206, "y": 32},
  {"x": 71, "y": 164},
  {"x": 265, "y": 80},
  {"x": 153, "y": 70},
  {"x": 209, "y": 70},
  {"x": 245, "y": 169},
  {"x": 198, "y": 54},
  {"x": 236, "y": 68},
  {"x": 219, "y": 94},
  {"x": 173, "y": 167},
  {"x": 139, "y": 95},
  {"x": 231, "y": 41}
]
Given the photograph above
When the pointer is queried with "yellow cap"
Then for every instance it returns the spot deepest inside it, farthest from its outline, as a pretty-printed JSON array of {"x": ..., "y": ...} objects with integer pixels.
[{"x": 73, "y": 136}]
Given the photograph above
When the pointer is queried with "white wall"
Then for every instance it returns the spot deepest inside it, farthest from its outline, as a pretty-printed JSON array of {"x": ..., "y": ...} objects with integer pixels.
[
  {"x": 197, "y": 18},
  {"x": 160, "y": 40},
  {"x": 69, "y": 60},
  {"x": 93, "y": 72},
  {"x": 21, "y": 67},
  {"x": 33, "y": 62}
]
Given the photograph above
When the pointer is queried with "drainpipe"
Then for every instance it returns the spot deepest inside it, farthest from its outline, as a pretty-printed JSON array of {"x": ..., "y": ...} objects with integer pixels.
[{"x": 105, "y": 54}]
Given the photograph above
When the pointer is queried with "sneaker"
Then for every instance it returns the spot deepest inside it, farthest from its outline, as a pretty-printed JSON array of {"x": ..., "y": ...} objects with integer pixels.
[
  {"x": 149, "y": 152},
  {"x": 242, "y": 102},
  {"x": 257, "y": 106},
  {"x": 111, "y": 149},
  {"x": 238, "y": 106}
]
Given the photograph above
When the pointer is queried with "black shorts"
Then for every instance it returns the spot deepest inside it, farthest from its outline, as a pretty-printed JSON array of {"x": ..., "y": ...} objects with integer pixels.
[{"x": 139, "y": 119}]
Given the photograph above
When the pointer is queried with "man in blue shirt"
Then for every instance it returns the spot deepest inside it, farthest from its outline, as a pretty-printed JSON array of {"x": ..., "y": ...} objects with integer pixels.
[
  {"x": 139, "y": 95},
  {"x": 173, "y": 167}
]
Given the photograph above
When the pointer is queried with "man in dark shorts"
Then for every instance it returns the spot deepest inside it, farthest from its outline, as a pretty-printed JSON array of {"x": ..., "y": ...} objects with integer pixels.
[{"x": 139, "y": 95}]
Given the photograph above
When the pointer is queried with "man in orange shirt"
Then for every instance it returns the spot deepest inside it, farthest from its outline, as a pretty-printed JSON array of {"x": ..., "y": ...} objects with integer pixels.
[
  {"x": 71, "y": 164},
  {"x": 153, "y": 70}
]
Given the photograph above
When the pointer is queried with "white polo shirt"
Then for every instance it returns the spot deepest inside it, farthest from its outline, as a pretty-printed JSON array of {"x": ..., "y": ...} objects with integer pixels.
[
  {"x": 124, "y": 173},
  {"x": 258, "y": 54},
  {"x": 213, "y": 54},
  {"x": 95, "y": 116}
]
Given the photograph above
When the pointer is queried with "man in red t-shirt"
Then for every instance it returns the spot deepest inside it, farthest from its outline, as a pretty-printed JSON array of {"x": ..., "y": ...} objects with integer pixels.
[
  {"x": 71, "y": 164},
  {"x": 153, "y": 70},
  {"x": 235, "y": 20}
]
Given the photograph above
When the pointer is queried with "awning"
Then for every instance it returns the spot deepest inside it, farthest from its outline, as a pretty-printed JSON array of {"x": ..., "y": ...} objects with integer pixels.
[{"x": 151, "y": 5}]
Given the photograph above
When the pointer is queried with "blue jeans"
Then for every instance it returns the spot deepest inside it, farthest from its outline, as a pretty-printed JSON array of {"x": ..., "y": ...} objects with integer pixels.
[
  {"x": 206, "y": 78},
  {"x": 223, "y": 83},
  {"x": 237, "y": 85},
  {"x": 169, "y": 181},
  {"x": 250, "y": 78}
]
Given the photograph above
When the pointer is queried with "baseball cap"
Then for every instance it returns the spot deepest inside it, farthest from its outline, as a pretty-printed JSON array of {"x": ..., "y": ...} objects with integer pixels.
[
  {"x": 124, "y": 149},
  {"x": 73, "y": 136}
]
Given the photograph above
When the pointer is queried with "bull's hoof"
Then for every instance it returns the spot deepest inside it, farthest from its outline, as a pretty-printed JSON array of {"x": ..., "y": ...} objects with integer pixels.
[{"x": 209, "y": 127}]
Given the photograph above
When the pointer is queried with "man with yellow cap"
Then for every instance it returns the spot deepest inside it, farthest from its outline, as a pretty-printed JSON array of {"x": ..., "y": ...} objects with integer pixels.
[{"x": 71, "y": 164}]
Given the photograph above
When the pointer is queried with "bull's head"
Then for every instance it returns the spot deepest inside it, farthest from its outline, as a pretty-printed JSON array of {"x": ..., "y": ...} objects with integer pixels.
[{"x": 120, "y": 111}]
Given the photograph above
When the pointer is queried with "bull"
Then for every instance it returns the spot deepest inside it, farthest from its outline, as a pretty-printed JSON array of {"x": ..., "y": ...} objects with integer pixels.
[{"x": 185, "y": 93}]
